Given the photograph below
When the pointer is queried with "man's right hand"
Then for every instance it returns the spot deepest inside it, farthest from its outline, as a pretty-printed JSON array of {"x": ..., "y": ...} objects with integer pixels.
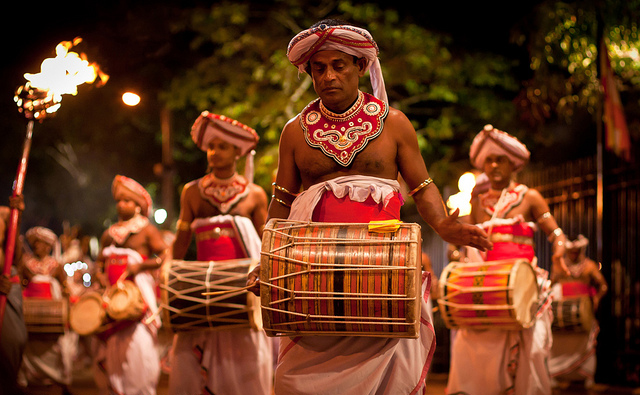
[{"x": 455, "y": 232}]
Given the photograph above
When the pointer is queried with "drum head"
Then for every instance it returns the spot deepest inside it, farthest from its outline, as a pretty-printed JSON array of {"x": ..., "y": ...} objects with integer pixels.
[
  {"x": 87, "y": 314},
  {"x": 525, "y": 292},
  {"x": 125, "y": 302}
]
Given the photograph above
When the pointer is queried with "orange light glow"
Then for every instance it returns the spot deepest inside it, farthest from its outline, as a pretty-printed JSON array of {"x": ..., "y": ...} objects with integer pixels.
[{"x": 63, "y": 74}]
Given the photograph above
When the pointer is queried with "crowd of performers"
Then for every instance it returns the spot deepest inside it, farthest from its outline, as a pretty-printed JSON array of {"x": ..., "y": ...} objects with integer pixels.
[{"x": 339, "y": 162}]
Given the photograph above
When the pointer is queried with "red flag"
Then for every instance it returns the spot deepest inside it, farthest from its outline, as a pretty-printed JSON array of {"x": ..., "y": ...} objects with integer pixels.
[{"x": 616, "y": 131}]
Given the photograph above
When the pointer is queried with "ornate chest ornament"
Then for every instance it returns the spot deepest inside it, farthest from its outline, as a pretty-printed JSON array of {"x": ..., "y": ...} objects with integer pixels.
[{"x": 342, "y": 136}]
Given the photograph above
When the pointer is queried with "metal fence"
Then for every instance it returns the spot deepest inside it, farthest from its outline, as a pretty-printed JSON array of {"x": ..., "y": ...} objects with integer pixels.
[{"x": 571, "y": 191}]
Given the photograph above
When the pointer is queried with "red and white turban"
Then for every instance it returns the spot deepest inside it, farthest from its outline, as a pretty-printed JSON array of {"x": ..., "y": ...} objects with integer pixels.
[
  {"x": 491, "y": 141},
  {"x": 580, "y": 242},
  {"x": 43, "y": 234},
  {"x": 209, "y": 126},
  {"x": 351, "y": 40},
  {"x": 135, "y": 191}
]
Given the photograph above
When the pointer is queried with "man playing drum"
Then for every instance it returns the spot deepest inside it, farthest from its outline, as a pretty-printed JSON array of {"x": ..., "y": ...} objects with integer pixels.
[
  {"x": 46, "y": 359},
  {"x": 573, "y": 354},
  {"x": 226, "y": 211},
  {"x": 498, "y": 361},
  {"x": 127, "y": 361},
  {"x": 346, "y": 150}
]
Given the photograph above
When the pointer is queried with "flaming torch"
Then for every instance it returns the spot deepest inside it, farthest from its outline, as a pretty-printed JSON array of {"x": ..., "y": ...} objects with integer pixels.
[{"x": 39, "y": 98}]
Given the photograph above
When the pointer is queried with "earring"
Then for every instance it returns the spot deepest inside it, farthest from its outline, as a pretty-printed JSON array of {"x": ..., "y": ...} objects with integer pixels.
[{"x": 138, "y": 210}]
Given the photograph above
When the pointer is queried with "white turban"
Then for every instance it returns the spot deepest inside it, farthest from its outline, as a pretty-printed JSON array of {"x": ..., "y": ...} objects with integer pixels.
[
  {"x": 491, "y": 141},
  {"x": 345, "y": 38}
]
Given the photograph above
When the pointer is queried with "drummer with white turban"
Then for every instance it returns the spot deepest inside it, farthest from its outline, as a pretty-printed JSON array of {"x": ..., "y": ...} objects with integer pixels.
[
  {"x": 498, "y": 361},
  {"x": 346, "y": 151},
  {"x": 46, "y": 359}
]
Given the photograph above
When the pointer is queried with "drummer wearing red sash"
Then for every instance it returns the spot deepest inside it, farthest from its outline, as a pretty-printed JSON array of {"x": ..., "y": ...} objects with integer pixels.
[
  {"x": 507, "y": 361},
  {"x": 127, "y": 362},
  {"x": 345, "y": 151},
  {"x": 573, "y": 354},
  {"x": 45, "y": 360},
  {"x": 226, "y": 212}
]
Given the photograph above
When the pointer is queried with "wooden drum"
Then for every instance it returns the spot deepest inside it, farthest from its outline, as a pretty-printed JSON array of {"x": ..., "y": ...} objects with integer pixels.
[
  {"x": 88, "y": 314},
  {"x": 573, "y": 314},
  {"x": 489, "y": 295},
  {"x": 184, "y": 307},
  {"x": 124, "y": 302},
  {"x": 45, "y": 315},
  {"x": 340, "y": 279}
]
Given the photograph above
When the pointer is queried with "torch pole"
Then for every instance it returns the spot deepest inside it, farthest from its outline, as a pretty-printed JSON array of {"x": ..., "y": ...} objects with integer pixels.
[{"x": 12, "y": 229}]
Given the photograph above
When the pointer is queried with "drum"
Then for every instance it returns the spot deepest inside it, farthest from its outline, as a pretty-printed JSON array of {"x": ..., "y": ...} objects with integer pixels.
[
  {"x": 573, "y": 314},
  {"x": 489, "y": 295},
  {"x": 332, "y": 279},
  {"x": 88, "y": 314},
  {"x": 185, "y": 308},
  {"x": 45, "y": 315},
  {"x": 124, "y": 302}
]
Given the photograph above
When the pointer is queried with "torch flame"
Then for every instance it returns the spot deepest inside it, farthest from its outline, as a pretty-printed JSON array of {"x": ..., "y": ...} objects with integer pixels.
[{"x": 62, "y": 75}]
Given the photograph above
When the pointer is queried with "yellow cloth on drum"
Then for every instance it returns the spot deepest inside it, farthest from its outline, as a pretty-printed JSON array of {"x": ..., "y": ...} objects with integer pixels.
[{"x": 386, "y": 226}]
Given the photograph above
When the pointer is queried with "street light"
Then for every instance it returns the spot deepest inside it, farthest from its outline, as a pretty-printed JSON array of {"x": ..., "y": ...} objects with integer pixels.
[{"x": 130, "y": 99}]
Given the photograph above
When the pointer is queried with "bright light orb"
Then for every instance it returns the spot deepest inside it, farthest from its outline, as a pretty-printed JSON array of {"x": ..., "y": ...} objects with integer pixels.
[
  {"x": 160, "y": 216},
  {"x": 130, "y": 99}
]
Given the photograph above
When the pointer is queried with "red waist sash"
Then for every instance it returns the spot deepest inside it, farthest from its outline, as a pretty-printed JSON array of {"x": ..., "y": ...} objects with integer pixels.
[
  {"x": 509, "y": 249},
  {"x": 38, "y": 290},
  {"x": 219, "y": 241},
  {"x": 333, "y": 209}
]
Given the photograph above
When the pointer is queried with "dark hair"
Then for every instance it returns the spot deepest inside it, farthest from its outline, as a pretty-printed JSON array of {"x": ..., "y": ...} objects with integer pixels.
[{"x": 330, "y": 22}]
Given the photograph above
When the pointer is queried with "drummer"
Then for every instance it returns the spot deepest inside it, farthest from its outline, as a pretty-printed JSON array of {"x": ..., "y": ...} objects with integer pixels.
[
  {"x": 46, "y": 359},
  {"x": 226, "y": 211},
  {"x": 127, "y": 361},
  {"x": 498, "y": 361},
  {"x": 573, "y": 354},
  {"x": 346, "y": 150}
]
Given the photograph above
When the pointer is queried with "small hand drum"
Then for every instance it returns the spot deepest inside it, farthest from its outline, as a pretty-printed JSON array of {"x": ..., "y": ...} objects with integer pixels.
[
  {"x": 87, "y": 314},
  {"x": 125, "y": 302},
  {"x": 573, "y": 314}
]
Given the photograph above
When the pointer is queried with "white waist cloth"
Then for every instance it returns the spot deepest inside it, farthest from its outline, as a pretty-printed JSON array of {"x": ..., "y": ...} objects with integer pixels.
[
  {"x": 349, "y": 364},
  {"x": 234, "y": 361},
  {"x": 359, "y": 188}
]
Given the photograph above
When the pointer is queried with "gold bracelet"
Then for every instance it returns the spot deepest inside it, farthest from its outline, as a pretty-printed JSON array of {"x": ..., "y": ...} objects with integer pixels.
[
  {"x": 555, "y": 233},
  {"x": 282, "y": 202},
  {"x": 424, "y": 184},
  {"x": 283, "y": 189}
]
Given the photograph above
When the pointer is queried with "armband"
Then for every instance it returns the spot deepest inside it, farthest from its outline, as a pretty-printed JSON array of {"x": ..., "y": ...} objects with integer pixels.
[
  {"x": 183, "y": 225},
  {"x": 422, "y": 185},
  {"x": 556, "y": 233},
  {"x": 283, "y": 189},
  {"x": 544, "y": 216},
  {"x": 282, "y": 202}
]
